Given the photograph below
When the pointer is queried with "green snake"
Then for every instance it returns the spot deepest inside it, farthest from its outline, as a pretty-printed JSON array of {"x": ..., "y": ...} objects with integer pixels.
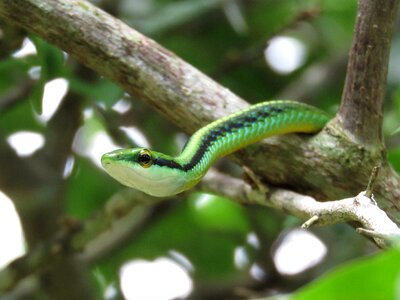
[{"x": 162, "y": 175}]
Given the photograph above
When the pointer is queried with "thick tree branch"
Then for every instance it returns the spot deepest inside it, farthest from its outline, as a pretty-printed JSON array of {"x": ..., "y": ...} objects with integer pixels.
[
  {"x": 361, "y": 111},
  {"x": 11, "y": 38}
]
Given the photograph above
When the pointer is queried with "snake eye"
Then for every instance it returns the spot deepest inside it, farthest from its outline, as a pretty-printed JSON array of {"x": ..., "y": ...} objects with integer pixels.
[{"x": 145, "y": 159}]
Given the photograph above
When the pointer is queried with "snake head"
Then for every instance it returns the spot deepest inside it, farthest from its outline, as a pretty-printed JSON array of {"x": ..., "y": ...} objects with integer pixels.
[{"x": 149, "y": 171}]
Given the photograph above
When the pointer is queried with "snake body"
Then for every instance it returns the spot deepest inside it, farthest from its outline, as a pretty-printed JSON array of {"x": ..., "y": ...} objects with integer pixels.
[{"x": 161, "y": 175}]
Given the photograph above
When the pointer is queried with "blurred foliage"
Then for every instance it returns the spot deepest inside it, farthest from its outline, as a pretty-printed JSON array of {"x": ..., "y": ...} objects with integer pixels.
[
  {"x": 199, "y": 234},
  {"x": 208, "y": 35},
  {"x": 374, "y": 277}
]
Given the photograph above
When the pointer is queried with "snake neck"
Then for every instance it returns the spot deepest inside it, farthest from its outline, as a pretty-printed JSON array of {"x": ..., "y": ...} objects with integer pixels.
[{"x": 229, "y": 134}]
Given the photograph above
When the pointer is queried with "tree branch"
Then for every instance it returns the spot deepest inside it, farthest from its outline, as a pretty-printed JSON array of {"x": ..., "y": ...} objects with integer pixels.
[
  {"x": 190, "y": 99},
  {"x": 360, "y": 208},
  {"x": 11, "y": 38},
  {"x": 361, "y": 111}
]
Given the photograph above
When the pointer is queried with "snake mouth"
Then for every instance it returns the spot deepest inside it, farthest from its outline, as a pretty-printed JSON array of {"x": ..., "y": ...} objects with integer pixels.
[
  {"x": 106, "y": 160},
  {"x": 148, "y": 181},
  {"x": 132, "y": 176}
]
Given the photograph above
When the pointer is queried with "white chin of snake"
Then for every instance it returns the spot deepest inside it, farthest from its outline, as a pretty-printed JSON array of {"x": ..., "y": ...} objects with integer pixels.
[{"x": 153, "y": 181}]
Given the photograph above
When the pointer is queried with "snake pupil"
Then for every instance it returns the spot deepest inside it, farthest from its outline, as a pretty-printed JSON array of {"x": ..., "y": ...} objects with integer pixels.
[{"x": 144, "y": 158}]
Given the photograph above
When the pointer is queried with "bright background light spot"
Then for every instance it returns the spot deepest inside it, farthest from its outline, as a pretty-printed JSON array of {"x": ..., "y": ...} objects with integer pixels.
[
  {"x": 158, "y": 280},
  {"x": 203, "y": 201},
  {"x": 88, "y": 113},
  {"x": 241, "y": 258},
  {"x": 285, "y": 54},
  {"x": 94, "y": 146},
  {"x": 181, "y": 139},
  {"x": 136, "y": 136},
  {"x": 252, "y": 240},
  {"x": 25, "y": 143},
  {"x": 257, "y": 272},
  {"x": 110, "y": 292},
  {"x": 91, "y": 140},
  {"x": 298, "y": 251},
  {"x": 28, "y": 48},
  {"x": 122, "y": 106},
  {"x": 34, "y": 72},
  {"x": 69, "y": 166},
  {"x": 54, "y": 92},
  {"x": 11, "y": 236}
]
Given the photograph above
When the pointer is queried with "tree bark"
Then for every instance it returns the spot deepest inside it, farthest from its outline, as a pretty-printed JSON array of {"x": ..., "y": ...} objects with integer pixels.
[{"x": 361, "y": 110}]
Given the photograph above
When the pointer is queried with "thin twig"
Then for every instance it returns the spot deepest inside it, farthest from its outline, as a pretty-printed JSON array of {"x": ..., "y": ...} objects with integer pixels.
[
  {"x": 307, "y": 224},
  {"x": 372, "y": 178}
]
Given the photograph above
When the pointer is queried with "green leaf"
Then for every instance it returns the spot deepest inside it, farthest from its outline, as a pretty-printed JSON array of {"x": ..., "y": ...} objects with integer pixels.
[
  {"x": 12, "y": 70},
  {"x": 374, "y": 277},
  {"x": 51, "y": 59},
  {"x": 103, "y": 90},
  {"x": 21, "y": 117}
]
